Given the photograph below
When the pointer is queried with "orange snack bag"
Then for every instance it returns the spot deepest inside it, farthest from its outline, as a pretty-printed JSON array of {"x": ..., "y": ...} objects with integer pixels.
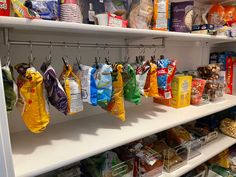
[
  {"x": 160, "y": 15},
  {"x": 216, "y": 15},
  {"x": 230, "y": 14}
]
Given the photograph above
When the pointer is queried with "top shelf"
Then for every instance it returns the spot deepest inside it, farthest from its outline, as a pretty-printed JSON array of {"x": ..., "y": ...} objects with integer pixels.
[{"x": 96, "y": 30}]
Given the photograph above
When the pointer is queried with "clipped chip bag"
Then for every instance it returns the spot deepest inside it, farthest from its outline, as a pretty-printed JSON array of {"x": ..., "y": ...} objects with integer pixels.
[
  {"x": 151, "y": 85},
  {"x": 116, "y": 105},
  {"x": 72, "y": 86},
  {"x": 131, "y": 90},
  {"x": 35, "y": 111},
  {"x": 10, "y": 87},
  {"x": 55, "y": 92},
  {"x": 104, "y": 84},
  {"x": 141, "y": 76}
]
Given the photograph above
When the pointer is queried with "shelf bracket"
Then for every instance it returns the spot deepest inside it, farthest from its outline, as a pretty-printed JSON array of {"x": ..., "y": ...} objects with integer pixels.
[{"x": 6, "y": 36}]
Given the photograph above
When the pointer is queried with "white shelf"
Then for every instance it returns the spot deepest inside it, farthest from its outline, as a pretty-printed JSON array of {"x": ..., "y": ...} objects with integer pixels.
[
  {"x": 65, "y": 143},
  {"x": 208, "y": 151},
  {"x": 95, "y": 30}
]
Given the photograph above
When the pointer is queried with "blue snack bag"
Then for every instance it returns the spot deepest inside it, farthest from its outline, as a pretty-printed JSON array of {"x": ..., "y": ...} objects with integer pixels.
[{"x": 47, "y": 9}]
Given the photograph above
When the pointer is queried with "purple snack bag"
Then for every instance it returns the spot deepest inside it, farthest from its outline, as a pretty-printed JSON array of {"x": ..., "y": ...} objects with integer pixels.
[
  {"x": 181, "y": 16},
  {"x": 56, "y": 94}
]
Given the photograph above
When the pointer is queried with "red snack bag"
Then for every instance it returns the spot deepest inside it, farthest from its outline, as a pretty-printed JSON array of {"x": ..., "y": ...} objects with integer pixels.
[
  {"x": 198, "y": 86},
  {"x": 5, "y": 8}
]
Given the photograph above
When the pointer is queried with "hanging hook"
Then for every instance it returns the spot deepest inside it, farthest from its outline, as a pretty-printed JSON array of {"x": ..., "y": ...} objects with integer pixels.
[
  {"x": 31, "y": 59},
  {"x": 8, "y": 59}
]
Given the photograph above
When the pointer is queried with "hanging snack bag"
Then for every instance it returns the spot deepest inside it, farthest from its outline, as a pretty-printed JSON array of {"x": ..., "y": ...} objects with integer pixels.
[
  {"x": 104, "y": 84},
  {"x": 116, "y": 105},
  {"x": 72, "y": 87},
  {"x": 88, "y": 83},
  {"x": 160, "y": 15},
  {"x": 55, "y": 92},
  {"x": 141, "y": 14},
  {"x": 10, "y": 87},
  {"x": 131, "y": 90},
  {"x": 151, "y": 87},
  {"x": 141, "y": 76},
  {"x": 35, "y": 113}
]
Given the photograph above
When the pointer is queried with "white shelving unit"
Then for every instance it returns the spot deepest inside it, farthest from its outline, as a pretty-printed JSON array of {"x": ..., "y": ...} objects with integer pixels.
[{"x": 77, "y": 139}]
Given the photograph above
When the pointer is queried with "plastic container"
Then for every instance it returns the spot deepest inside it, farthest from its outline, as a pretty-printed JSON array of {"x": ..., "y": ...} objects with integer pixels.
[
  {"x": 150, "y": 164},
  {"x": 175, "y": 158},
  {"x": 123, "y": 169},
  {"x": 195, "y": 147}
]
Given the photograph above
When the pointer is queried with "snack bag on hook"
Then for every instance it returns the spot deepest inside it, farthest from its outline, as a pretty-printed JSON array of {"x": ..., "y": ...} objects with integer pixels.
[
  {"x": 116, "y": 105},
  {"x": 35, "y": 111},
  {"x": 72, "y": 87},
  {"x": 104, "y": 84},
  {"x": 10, "y": 87},
  {"x": 55, "y": 92},
  {"x": 131, "y": 90},
  {"x": 141, "y": 76}
]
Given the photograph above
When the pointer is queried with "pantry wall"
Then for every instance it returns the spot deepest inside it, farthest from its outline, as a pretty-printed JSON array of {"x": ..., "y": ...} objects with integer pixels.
[{"x": 189, "y": 55}]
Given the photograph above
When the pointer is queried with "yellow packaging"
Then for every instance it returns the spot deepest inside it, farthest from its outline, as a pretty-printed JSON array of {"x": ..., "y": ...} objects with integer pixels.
[{"x": 181, "y": 91}]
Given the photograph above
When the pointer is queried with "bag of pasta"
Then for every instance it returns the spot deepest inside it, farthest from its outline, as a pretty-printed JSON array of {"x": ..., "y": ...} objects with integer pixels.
[
  {"x": 72, "y": 86},
  {"x": 141, "y": 14},
  {"x": 35, "y": 111}
]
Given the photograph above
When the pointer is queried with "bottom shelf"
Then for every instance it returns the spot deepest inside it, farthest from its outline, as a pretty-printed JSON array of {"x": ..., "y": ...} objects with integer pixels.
[{"x": 208, "y": 151}]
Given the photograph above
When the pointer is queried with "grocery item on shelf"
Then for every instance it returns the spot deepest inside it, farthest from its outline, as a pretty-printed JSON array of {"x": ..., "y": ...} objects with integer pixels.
[
  {"x": 222, "y": 159},
  {"x": 5, "y": 8},
  {"x": 198, "y": 86},
  {"x": 131, "y": 90},
  {"x": 151, "y": 84},
  {"x": 10, "y": 88},
  {"x": 104, "y": 84},
  {"x": 88, "y": 83},
  {"x": 200, "y": 171},
  {"x": 219, "y": 171},
  {"x": 116, "y": 21},
  {"x": 72, "y": 86},
  {"x": 216, "y": 15},
  {"x": 230, "y": 15},
  {"x": 181, "y": 16},
  {"x": 30, "y": 85},
  {"x": 55, "y": 92},
  {"x": 181, "y": 91},
  {"x": 71, "y": 12},
  {"x": 160, "y": 15},
  {"x": 228, "y": 127},
  {"x": 116, "y": 105},
  {"x": 141, "y": 13}
]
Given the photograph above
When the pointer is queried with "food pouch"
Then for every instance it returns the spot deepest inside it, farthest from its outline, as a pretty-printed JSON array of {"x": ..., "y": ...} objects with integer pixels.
[
  {"x": 55, "y": 92},
  {"x": 216, "y": 15},
  {"x": 141, "y": 76},
  {"x": 47, "y": 9},
  {"x": 151, "y": 87},
  {"x": 23, "y": 8},
  {"x": 35, "y": 112},
  {"x": 88, "y": 82},
  {"x": 160, "y": 15},
  {"x": 116, "y": 105},
  {"x": 104, "y": 84},
  {"x": 10, "y": 88},
  {"x": 198, "y": 86},
  {"x": 72, "y": 87},
  {"x": 230, "y": 14},
  {"x": 131, "y": 90}
]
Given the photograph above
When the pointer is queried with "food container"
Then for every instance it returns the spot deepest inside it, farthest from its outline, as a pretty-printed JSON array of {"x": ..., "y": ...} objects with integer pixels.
[
  {"x": 175, "y": 158},
  {"x": 123, "y": 169},
  {"x": 150, "y": 163},
  {"x": 195, "y": 147},
  {"x": 200, "y": 171}
]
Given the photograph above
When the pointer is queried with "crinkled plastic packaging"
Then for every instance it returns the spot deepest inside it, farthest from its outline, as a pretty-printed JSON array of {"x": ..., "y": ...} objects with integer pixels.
[
  {"x": 88, "y": 82},
  {"x": 55, "y": 92},
  {"x": 216, "y": 15},
  {"x": 104, "y": 84},
  {"x": 160, "y": 15},
  {"x": 131, "y": 90},
  {"x": 141, "y": 76},
  {"x": 151, "y": 85},
  {"x": 10, "y": 88},
  {"x": 35, "y": 111},
  {"x": 116, "y": 105},
  {"x": 72, "y": 87}
]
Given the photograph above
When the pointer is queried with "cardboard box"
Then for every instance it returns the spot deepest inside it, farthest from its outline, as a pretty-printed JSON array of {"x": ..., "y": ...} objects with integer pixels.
[{"x": 181, "y": 90}]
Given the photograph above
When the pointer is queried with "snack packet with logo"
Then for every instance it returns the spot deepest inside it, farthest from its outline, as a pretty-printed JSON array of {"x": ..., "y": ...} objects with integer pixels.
[
  {"x": 55, "y": 92},
  {"x": 104, "y": 84},
  {"x": 72, "y": 87},
  {"x": 116, "y": 105},
  {"x": 35, "y": 111}
]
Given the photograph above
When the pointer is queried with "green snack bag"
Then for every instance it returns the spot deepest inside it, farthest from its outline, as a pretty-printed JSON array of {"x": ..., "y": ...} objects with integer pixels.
[
  {"x": 10, "y": 87},
  {"x": 131, "y": 90}
]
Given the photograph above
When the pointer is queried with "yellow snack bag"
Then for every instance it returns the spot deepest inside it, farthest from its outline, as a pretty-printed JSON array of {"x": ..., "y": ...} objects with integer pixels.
[
  {"x": 151, "y": 85},
  {"x": 35, "y": 113},
  {"x": 116, "y": 105},
  {"x": 72, "y": 86}
]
